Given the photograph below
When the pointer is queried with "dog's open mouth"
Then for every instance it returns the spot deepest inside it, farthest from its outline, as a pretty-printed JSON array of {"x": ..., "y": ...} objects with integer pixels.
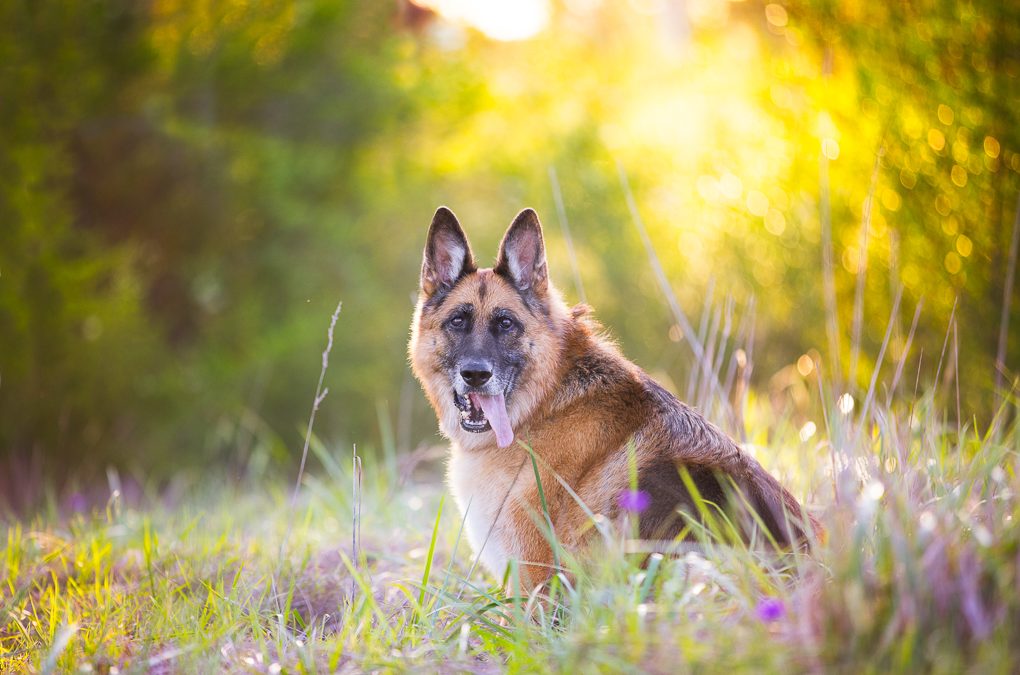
[
  {"x": 472, "y": 417},
  {"x": 482, "y": 412}
]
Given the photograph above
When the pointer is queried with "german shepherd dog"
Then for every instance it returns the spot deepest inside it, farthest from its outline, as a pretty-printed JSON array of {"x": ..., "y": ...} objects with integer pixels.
[{"x": 502, "y": 358}]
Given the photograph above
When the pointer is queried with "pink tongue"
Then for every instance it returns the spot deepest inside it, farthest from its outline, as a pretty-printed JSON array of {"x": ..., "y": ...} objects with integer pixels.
[{"x": 494, "y": 408}]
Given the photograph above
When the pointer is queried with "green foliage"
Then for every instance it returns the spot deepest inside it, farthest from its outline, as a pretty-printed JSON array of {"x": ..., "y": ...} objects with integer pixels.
[{"x": 187, "y": 189}]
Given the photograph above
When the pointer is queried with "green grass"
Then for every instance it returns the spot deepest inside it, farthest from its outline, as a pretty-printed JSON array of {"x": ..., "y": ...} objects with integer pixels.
[{"x": 918, "y": 572}]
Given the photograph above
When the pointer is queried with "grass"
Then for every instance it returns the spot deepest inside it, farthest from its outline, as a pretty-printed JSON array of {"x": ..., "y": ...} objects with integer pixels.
[
  {"x": 918, "y": 572},
  {"x": 359, "y": 567}
]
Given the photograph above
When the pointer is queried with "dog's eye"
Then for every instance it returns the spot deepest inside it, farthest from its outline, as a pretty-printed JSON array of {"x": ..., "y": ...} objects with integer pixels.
[
  {"x": 457, "y": 322},
  {"x": 505, "y": 324}
]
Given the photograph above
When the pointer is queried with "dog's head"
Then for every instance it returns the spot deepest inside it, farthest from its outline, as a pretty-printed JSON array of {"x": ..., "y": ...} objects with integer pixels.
[{"x": 485, "y": 343}]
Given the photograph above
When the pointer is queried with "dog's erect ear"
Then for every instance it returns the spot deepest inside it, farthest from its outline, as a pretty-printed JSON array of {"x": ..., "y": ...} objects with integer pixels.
[
  {"x": 447, "y": 254},
  {"x": 522, "y": 254}
]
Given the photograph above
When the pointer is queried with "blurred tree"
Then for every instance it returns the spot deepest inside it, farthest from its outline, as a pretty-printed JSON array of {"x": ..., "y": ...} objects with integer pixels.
[
  {"x": 74, "y": 340},
  {"x": 187, "y": 189},
  {"x": 940, "y": 90}
]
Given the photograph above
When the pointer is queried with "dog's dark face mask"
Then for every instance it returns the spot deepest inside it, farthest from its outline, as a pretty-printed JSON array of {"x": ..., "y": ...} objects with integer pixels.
[{"x": 482, "y": 316}]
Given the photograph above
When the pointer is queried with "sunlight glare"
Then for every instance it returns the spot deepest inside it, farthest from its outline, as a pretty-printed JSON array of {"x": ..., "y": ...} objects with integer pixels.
[
  {"x": 845, "y": 404},
  {"x": 498, "y": 19}
]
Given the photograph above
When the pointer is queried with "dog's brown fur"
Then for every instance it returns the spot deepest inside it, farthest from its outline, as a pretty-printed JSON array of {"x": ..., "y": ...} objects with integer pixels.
[{"x": 578, "y": 403}]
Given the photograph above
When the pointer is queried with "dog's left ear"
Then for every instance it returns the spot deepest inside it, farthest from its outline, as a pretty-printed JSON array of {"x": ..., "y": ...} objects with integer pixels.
[{"x": 521, "y": 257}]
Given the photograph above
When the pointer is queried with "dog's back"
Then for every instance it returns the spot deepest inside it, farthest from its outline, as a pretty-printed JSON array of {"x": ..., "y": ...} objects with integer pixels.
[{"x": 636, "y": 425}]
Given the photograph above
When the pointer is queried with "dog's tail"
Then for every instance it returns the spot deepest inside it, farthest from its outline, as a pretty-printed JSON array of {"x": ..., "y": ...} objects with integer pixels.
[{"x": 786, "y": 520}]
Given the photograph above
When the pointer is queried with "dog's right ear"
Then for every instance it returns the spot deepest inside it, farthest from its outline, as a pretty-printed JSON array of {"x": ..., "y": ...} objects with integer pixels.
[{"x": 447, "y": 254}]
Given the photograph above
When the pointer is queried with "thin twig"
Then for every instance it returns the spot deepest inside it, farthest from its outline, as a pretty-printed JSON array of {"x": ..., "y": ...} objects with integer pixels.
[{"x": 320, "y": 394}]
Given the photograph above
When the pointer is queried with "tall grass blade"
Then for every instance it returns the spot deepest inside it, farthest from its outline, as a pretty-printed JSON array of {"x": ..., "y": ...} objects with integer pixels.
[
  {"x": 906, "y": 351},
  {"x": 878, "y": 362},
  {"x": 1007, "y": 300},
  {"x": 561, "y": 213},
  {"x": 828, "y": 272},
  {"x": 956, "y": 373},
  {"x": 862, "y": 271},
  {"x": 706, "y": 313},
  {"x": 553, "y": 542},
  {"x": 356, "y": 506},
  {"x": 431, "y": 556},
  {"x": 678, "y": 313},
  {"x": 389, "y": 443},
  {"x": 945, "y": 344},
  {"x": 60, "y": 642}
]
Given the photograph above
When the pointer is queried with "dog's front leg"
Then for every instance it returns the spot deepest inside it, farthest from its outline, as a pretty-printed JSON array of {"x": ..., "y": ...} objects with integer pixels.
[{"x": 534, "y": 555}]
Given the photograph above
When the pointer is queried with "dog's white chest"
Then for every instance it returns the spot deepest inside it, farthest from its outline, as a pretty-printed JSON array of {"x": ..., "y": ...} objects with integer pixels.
[{"x": 481, "y": 499}]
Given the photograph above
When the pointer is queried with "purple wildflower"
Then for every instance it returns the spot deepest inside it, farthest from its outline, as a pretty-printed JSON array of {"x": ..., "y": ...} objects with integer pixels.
[
  {"x": 634, "y": 500},
  {"x": 770, "y": 609},
  {"x": 78, "y": 503}
]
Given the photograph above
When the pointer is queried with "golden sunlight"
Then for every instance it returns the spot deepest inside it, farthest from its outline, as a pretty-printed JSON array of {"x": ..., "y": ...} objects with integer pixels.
[{"x": 498, "y": 19}]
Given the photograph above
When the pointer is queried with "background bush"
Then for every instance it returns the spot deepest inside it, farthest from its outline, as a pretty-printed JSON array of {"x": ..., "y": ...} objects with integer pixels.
[{"x": 187, "y": 189}]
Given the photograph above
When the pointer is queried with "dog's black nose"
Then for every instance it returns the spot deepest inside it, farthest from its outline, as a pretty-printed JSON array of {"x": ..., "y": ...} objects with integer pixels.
[{"x": 476, "y": 374}]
